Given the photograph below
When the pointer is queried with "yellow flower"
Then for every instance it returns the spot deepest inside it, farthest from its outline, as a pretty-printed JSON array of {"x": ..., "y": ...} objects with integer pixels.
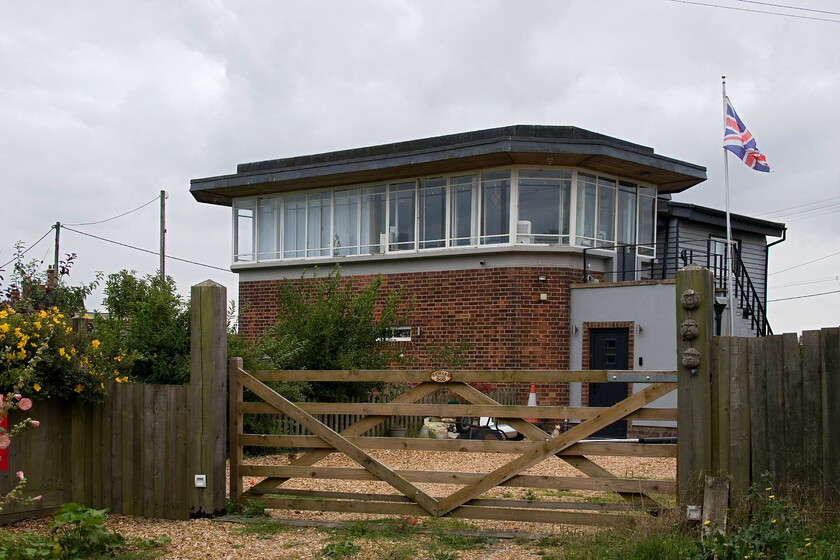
[
  {"x": 770, "y": 497},
  {"x": 768, "y": 488},
  {"x": 79, "y": 389},
  {"x": 95, "y": 343},
  {"x": 21, "y": 355},
  {"x": 86, "y": 316},
  {"x": 773, "y": 521},
  {"x": 4, "y": 328},
  {"x": 61, "y": 351},
  {"x": 707, "y": 522},
  {"x": 36, "y": 386},
  {"x": 37, "y": 324},
  {"x": 55, "y": 309},
  {"x": 68, "y": 330},
  {"x": 102, "y": 385},
  {"x": 42, "y": 314},
  {"x": 3, "y": 314}
]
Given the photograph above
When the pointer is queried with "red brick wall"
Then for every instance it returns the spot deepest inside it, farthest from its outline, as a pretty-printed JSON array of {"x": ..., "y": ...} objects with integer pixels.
[{"x": 497, "y": 310}]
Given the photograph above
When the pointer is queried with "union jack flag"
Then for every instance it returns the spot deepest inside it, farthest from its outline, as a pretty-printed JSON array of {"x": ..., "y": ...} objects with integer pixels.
[{"x": 738, "y": 140}]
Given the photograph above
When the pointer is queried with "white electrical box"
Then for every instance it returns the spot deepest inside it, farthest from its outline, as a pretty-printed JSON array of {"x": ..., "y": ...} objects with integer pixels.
[{"x": 201, "y": 481}]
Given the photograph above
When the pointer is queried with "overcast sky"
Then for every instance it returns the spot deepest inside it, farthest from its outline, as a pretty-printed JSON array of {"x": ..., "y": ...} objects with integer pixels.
[{"x": 104, "y": 104}]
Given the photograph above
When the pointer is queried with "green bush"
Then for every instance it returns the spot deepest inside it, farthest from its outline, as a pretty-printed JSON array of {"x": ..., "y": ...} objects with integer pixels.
[
  {"x": 329, "y": 323},
  {"x": 149, "y": 324}
]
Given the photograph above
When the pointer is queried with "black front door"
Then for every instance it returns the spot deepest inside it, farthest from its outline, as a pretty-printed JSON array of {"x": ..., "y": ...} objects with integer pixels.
[{"x": 609, "y": 349}]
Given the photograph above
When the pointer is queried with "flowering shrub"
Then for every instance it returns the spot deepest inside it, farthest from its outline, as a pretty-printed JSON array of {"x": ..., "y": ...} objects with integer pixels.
[
  {"x": 43, "y": 356},
  {"x": 7, "y": 404}
]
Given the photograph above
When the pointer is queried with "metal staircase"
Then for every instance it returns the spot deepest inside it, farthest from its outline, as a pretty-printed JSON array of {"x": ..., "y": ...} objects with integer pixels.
[{"x": 746, "y": 297}]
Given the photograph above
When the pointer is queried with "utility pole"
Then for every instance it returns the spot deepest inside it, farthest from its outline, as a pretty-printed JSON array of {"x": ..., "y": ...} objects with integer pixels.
[
  {"x": 162, "y": 235},
  {"x": 57, "y": 253}
]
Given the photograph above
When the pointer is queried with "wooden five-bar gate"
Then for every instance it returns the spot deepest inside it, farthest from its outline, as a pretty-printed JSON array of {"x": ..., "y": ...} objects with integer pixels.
[{"x": 410, "y": 494}]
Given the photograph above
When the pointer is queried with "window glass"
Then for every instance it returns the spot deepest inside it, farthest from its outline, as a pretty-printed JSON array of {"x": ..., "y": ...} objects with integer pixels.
[
  {"x": 606, "y": 212},
  {"x": 627, "y": 213},
  {"x": 544, "y": 196},
  {"x": 626, "y": 252},
  {"x": 373, "y": 239},
  {"x": 346, "y": 223},
  {"x": 318, "y": 225},
  {"x": 294, "y": 226},
  {"x": 585, "y": 217},
  {"x": 269, "y": 228},
  {"x": 243, "y": 235},
  {"x": 495, "y": 218},
  {"x": 433, "y": 213},
  {"x": 647, "y": 221},
  {"x": 464, "y": 209},
  {"x": 401, "y": 226}
]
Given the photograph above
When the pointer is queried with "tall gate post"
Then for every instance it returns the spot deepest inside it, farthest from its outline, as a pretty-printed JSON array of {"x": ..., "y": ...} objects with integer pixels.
[
  {"x": 695, "y": 321},
  {"x": 207, "y": 400}
]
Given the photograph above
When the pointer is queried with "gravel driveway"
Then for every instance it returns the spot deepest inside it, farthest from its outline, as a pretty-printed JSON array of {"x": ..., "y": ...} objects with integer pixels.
[{"x": 209, "y": 540}]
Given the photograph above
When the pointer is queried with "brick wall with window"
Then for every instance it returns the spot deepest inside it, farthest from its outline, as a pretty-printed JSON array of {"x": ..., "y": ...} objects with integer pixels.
[{"x": 499, "y": 311}]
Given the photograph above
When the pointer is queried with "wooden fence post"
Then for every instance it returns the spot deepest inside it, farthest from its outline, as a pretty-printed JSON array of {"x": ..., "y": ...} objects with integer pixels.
[
  {"x": 695, "y": 321},
  {"x": 207, "y": 400}
]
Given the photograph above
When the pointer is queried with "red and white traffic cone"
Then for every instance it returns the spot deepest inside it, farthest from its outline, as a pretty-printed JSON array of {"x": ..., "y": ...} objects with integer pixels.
[{"x": 532, "y": 401}]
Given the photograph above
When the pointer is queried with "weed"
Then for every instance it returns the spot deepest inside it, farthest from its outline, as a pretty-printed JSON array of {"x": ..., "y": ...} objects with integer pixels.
[
  {"x": 77, "y": 532},
  {"x": 338, "y": 549},
  {"x": 776, "y": 530},
  {"x": 251, "y": 508}
]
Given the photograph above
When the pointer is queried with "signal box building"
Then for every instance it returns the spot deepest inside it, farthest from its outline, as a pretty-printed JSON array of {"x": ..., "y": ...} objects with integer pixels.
[{"x": 544, "y": 247}]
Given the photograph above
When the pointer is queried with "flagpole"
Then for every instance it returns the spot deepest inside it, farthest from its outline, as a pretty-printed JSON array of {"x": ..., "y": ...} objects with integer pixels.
[{"x": 730, "y": 293}]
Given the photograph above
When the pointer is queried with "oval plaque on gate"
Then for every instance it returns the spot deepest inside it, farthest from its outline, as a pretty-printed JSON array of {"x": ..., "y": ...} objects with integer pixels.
[{"x": 441, "y": 376}]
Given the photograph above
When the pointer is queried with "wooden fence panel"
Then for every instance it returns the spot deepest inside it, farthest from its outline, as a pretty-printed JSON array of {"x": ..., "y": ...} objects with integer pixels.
[
  {"x": 831, "y": 414},
  {"x": 777, "y": 437},
  {"x": 811, "y": 421},
  {"x": 792, "y": 383},
  {"x": 739, "y": 417},
  {"x": 759, "y": 436}
]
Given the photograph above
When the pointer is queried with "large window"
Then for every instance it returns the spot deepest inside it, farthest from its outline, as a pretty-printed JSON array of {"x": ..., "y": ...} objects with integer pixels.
[
  {"x": 243, "y": 230},
  {"x": 495, "y": 215},
  {"x": 294, "y": 230},
  {"x": 647, "y": 221},
  {"x": 346, "y": 223},
  {"x": 595, "y": 215},
  {"x": 433, "y": 213},
  {"x": 544, "y": 196},
  {"x": 270, "y": 210},
  {"x": 464, "y": 209},
  {"x": 401, "y": 220},
  {"x": 372, "y": 222},
  {"x": 529, "y": 206}
]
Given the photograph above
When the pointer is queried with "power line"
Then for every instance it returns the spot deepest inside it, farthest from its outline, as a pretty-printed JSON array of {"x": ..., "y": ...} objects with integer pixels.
[
  {"x": 820, "y": 281},
  {"x": 803, "y": 264},
  {"x": 755, "y": 11},
  {"x": 115, "y": 217},
  {"x": 790, "y": 7},
  {"x": 791, "y": 210},
  {"x": 805, "y": 296},
  {"x": 145, "y": 250},
  {"x": 4, "y": 265}
]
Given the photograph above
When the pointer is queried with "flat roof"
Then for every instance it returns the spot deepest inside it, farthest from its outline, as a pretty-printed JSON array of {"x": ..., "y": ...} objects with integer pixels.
[
  {"x": 715, "y": 217},
  {"x": 563, "y": 146}
]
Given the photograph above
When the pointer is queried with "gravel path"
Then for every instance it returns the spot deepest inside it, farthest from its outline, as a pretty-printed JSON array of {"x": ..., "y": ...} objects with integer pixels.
[{"x": 209, "y": 540}]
